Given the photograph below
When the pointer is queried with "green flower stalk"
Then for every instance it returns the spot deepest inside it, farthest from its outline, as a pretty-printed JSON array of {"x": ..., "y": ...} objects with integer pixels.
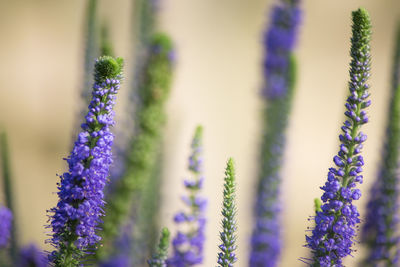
[
  {"x": 106, "y": 46},
  {"x": 382, "y": 218},
  {"x": 144, "y": 20},
  {"x": 145, "y": 212},
  {"x": 145, "y": 221},
  {"x": 91, "y": 49},
  {"x": 161, "y": 255},
  {"x": 227, "y": 256},
  {"x": 8, "y": 192},
  {"x": 141, "y": 159}
]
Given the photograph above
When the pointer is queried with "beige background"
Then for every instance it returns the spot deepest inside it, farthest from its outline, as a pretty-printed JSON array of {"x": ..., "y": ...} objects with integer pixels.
[{"x": 217, "y": 84}]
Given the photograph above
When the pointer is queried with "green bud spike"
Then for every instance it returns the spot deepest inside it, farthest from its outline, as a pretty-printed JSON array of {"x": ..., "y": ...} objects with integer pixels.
[
  {"x": 227, "y": 257},
  {"x": 106, "y": 46},
  {"x": 106, "y": 67}
]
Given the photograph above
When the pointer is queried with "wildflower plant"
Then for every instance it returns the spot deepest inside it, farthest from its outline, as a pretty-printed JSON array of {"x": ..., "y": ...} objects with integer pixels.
[
  {"x": 160, "y": 257},
  {"x": 279, "y": 73},
  {"x": 75, "y": 219},
  {"x": 188, "y": 243},
  {"x": 227, "y": 256},
  {"x": 333, "y": 236},
  {"x": 379, "y": 230}
]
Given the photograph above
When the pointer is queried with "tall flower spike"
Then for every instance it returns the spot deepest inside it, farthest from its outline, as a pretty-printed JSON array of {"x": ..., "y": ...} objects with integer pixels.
[
  {"x": 75, "y": 219},
  {"x": 335, "y": 226},
  {"x": 189, "y": 241},
  {"x": 5, "y": 226},
  {"x": 143, "y": 151},
  {"x": 279, "y": 74},
  {"x": 227, "y": 256},
  {"x": 383, "y": 208},
  {"x": 160, "y": 257}
]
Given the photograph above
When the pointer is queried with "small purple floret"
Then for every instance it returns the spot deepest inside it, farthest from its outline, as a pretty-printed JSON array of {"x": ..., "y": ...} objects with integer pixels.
[{"x": 5, "y": 225}]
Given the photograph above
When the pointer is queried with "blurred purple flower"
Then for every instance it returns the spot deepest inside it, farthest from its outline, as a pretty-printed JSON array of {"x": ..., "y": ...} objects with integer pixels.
[
  {"x": 188, "y": 245},
  {"x": 5, "y": 225}
]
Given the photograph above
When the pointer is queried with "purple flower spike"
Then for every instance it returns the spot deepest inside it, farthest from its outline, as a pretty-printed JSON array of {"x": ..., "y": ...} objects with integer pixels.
[
  {"x": 382, "y": 218},
  {"x": 75, "y": 218},
  {"x": 5, "y": 225},
  {"x": 279, "y": 73},
  {"x": 188, "y": 244},
  {"x": 336, "y": 223}
]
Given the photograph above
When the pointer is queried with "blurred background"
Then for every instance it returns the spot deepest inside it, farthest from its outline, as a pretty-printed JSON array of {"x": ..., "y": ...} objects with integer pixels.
[{"x": 217, "y": 83}]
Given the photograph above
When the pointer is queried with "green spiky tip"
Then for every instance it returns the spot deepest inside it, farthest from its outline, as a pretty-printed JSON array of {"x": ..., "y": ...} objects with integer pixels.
[
  {"x": 162, "y": 42},
  {"x": 199, "y": 132},
  {"x": 230, "y": 166},
  {"x": 107, "y": 67},
  {"x": 230, "y": 178},
  {"x": 164, "y": 237},
  {"x": 361, "y": 18}
]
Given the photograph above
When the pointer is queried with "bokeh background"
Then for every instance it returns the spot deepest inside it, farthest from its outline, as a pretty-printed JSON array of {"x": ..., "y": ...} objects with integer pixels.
[{"x": 217, "y": 84}]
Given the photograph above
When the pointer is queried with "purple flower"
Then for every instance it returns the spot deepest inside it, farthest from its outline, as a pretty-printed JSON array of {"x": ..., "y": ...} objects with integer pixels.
[
  {"x": 75, "y": 218},
  {"x": 335, "y": 226},
  {"x": 5, "y": 225},
  {"x": 32, "y": 256},
  {"x": 188, "y": 244},
  {"x": 279, "y": 41}
]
